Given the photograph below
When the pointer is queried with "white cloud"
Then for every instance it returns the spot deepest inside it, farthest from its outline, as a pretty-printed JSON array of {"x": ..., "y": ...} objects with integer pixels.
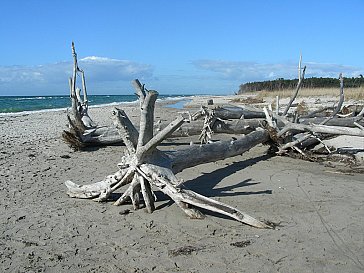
[
  {"x": 252, "y": 71},
  {"x": 113, "y": 76},
  {"x": 98, "y": 70}
]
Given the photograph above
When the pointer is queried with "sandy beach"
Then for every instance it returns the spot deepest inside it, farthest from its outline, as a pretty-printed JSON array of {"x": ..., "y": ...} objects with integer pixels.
[{"x": 319, "y": 211}]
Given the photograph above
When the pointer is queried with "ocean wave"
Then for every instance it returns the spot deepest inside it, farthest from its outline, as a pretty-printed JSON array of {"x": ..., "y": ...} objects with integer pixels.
[
  {"x": 22, "y": 113},
  {"x": 113, "y": 104},
  {"x": 59, "y": 103},
  {"x": 32, "y": 98}
]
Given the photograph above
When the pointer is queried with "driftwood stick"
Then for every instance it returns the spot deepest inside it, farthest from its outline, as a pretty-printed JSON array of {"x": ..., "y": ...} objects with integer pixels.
[
  {"x": 80, "y": 126},
  {"x": 336, "y": 121},
  {"x": 299, "y": 67},
  {"x": 75, "y": 67},
  {"x": 283, "y": 148},
  {"x": 300, "y": 81},
  {"x": 123, "y": 181},
  {"x": 361, "y": 113},
  {"x": 157, "y": 139},
  {"x": 325, "y": 129},
  {"x": 315, "y": 112},
  {"x": 95, "y": 189},
  {"x": 131, "y": 193},
  {"x": 341, "y": 101},
  {"x": 78, "y": 96},
  {"x": 85, "y": 101},
  {"x": 126, "y": 129},
  {"x": 201, "y": 201},
  {"x": 268, "y": 117},
  {"x": 147, "y": 118},
  {"x": 195, "y": 199},
  {"x": 299, "y": 151},
  {"x": 147, "y": 193},
  {"x": 140, "y": 91}
]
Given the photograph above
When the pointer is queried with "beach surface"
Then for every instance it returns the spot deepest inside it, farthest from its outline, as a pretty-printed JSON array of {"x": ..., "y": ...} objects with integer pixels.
[{"x": 319, "y": 212}]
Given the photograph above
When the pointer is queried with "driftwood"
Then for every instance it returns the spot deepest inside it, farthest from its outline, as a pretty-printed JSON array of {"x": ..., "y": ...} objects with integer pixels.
[
  {"x": 234, "y": 126},
  {"x": 143, "y": 166},
  {"x": 336, "y": 121},
  {"x": 110, "y": 135},
  {"x": 294, "y": 95},
  {"x": 79, "y": 119},
  {"x": 84, "y": 132},
  {"x": 308, "y": 130},
  {"x": 234, "y": 112}
]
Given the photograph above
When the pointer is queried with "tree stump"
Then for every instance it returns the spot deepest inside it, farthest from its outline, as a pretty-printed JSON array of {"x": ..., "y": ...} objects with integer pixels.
[{"x": 143, "y": 166}]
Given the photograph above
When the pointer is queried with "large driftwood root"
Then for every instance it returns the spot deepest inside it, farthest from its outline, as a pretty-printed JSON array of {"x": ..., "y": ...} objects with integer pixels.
[{"x": 143, "y": 166}]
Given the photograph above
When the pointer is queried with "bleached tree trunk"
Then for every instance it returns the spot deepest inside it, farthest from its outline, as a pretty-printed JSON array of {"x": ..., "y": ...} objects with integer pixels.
[{"x": 144, "y": 166}]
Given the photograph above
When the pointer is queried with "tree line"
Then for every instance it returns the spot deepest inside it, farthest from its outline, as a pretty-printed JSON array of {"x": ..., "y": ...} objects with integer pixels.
[{"x": 314, "y": 82}]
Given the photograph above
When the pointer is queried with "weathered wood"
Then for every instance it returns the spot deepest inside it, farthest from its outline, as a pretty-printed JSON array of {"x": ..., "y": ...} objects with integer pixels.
[
  {"x": 325, "y": 129},
  {"x": 341, "y": 97},
  {"x": 344, "y": 122},
  {"x": 317, "y": 113},
  {"x": 128, "y": 133},
  {"x": 79, "y": 120},
  {"x": 157, "y": 139},
  {"x": 294, "y": 95},
  {"x": 110, "y": 135},
  {"x": 200, "y": 154},
  {"x": 341, "y": 101},
  {"x": 144, "y": 165},
  {"x": 147, "y": 118},
  {"x": 234, "y": 112},
  {"x": 234, "y": 126}
]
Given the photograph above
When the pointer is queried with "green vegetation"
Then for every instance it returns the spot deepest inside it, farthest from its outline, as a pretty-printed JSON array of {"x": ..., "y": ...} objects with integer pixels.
[{"x": 284, "y": 84}]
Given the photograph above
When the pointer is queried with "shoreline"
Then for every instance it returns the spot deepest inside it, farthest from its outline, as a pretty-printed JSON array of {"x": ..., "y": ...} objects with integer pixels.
[
  {"x": 318, "y": 211},
  {"x": 26, "y": 112}
]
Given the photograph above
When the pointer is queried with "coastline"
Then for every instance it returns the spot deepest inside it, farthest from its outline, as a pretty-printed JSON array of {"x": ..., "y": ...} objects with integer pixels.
[{"x": 318, "y": 210}]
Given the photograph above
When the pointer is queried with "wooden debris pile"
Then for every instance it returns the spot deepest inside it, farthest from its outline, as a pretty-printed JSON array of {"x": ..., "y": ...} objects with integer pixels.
[{"x": 144, "y": 167}]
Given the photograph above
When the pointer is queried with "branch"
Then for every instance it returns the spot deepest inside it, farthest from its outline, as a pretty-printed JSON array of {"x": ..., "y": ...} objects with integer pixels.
[
  {"x": 147, "y": 118},
  {"x": 200, "y": 154},
  {"x": 341, "y": 101},
  {"x": 295, "y": 93},
  {"x": 157, "y": 139},
  {"x": 140, "y": 91},
  {"x": 325, "y": 129},
  {"x": 126, "y": 129}
]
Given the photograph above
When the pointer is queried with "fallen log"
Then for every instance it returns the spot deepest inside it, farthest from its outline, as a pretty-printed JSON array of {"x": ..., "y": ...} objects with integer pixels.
[
  {"x": 344, "y": 122},
  {"x": 144, "y": 166},
  {"x": 318, "y": 128},
  {"x": 200, "y": 154},
  {"x": 110, "y": 135},
  {"x": 235, "y": 126},
  {"x": 233, "y": 112}
]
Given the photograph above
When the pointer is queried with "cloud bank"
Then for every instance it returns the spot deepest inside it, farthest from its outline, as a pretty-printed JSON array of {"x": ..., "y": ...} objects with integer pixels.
[
  {"x": 53, "y": 78},
  {"x": 252, "y": 71},
  {"x": 113, "y": 76}
]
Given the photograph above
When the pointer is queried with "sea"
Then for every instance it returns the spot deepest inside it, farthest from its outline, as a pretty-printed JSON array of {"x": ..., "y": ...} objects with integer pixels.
[{"x": 26, "y": 104}]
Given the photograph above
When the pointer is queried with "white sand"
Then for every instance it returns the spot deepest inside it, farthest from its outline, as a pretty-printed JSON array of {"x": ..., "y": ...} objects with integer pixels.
[{"x": 320, "y": 211}]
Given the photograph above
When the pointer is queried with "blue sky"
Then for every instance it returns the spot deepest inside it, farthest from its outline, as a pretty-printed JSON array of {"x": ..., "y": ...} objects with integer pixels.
[{"x": 175, "y": 46}]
